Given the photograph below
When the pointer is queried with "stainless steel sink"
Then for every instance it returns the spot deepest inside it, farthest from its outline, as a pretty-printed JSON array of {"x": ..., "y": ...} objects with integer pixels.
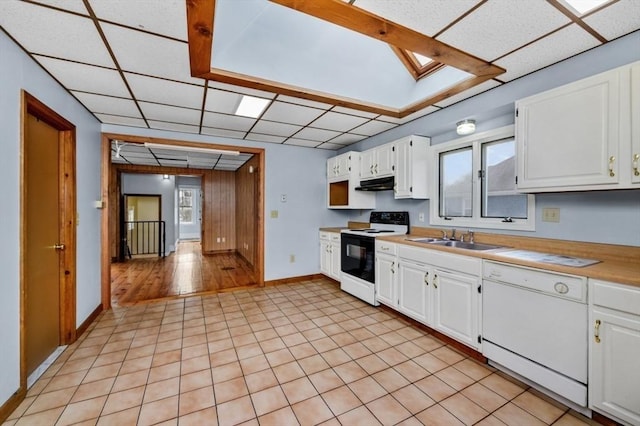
[
  {"x": 465, "y": 245},
  {"x": 424, "y": 240}
]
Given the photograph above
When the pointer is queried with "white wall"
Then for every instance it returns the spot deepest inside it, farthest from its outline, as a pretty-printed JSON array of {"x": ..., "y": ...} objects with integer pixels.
[
  {"x": 18, "y": 72},
  {"x": 137, "y": 184},
  {"x": 600, "y": 216}
]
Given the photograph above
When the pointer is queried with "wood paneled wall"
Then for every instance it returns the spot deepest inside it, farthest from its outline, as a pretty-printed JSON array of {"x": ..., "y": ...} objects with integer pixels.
[
  {"x": 247, "y": 210},
  {"x": 219, "y": 211}
]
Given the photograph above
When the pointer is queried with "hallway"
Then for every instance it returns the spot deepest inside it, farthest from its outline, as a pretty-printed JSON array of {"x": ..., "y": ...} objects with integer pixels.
[{"x": 185, "y": 272}]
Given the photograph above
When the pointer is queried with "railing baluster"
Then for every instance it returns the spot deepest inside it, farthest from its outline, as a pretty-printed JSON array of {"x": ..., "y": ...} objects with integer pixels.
[{"x": 146, "y": 237}]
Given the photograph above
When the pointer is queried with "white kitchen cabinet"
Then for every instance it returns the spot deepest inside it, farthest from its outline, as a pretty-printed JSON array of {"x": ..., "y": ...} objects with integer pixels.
[
  {"x": 339, "y": 167},
  {"x": 411, "y": 155},
  {"x": 455, "y": 305},
  {"x": 343, "y": 177},
  {"x": 614, "y": 362},
  {"x": 414, "y": 295},
  {"x": 330, "y": 254},
  {"x": 386, "y": 268},
  {"x": 377, "y": 162},
  {"x": 581, "y": 136}
]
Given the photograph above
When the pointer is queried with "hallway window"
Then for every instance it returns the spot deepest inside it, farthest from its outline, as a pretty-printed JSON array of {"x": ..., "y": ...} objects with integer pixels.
[{"x": 186, "y": 205}]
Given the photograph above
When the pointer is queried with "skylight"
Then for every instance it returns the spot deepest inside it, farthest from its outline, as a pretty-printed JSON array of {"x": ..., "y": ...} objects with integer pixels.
[
  {"x": 584, "y": 6},
  {"x": 251, "y": 106},
  {"x": 422, "y": 60}
]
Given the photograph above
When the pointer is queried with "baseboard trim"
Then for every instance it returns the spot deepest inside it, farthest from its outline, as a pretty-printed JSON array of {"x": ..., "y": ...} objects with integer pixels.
[
  {"x": 90, "y": 319},
  {"x": 12, "y": 403},
  {"x": 292, "y": 280}
]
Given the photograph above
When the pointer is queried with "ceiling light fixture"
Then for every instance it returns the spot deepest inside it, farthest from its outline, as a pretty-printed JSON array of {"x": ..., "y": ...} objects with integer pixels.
[
  {"x": 466, "y": 127},
  {"x": 251, "y": 106},
  {"x": 166, "y": 177},
  {"x": 150, "y": 145}
]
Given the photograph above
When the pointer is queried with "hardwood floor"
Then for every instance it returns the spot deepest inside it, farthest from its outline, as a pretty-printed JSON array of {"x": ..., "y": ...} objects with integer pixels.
[{"x": 185, "y": 272}]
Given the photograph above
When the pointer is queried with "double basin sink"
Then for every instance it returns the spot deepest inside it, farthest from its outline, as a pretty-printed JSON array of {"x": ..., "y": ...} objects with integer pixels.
[{"x": 454, "y": 243}]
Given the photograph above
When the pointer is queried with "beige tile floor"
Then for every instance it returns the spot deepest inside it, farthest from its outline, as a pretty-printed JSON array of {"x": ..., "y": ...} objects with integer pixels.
[{"x": 303, "y": 353}]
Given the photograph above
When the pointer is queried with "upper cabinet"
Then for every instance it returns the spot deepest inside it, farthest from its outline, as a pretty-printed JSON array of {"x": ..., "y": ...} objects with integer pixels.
[
  {"x": 579, "y": 136},
  {"x": 377, "y": 162},
  {"x": 343, "y": 173},
  {"x": 411, "y": 167},
  {"x": 339, "y": 167}
]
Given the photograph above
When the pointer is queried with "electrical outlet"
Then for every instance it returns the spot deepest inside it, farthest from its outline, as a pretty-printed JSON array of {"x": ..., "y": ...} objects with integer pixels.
[
  {"x": 218, "y": 239},
  {"x": 292, "y": 258},
  {"x": 224, "y": 239},
  {"x": 551, "y": 214},
  {"x": 420, "y": 217},
  {"x": 274, "y": 214}
]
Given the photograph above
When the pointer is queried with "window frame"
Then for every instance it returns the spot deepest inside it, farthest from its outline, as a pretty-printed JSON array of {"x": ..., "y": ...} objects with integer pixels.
[
  {"x": 181, "y": 206},
  {"x": 476, "y": 220}
]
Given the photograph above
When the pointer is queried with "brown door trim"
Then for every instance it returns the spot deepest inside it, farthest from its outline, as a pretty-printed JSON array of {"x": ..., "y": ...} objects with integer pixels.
[
  {"x": 67, "y": 201},
  {"x": 110, "y": 189}
]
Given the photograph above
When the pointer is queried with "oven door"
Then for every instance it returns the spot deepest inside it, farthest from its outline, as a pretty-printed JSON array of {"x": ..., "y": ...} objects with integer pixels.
[{"x": 357, "y": 256}]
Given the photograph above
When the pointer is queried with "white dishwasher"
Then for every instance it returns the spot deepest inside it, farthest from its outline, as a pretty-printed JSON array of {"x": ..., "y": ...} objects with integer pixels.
[{"x": 534, "y": 323}]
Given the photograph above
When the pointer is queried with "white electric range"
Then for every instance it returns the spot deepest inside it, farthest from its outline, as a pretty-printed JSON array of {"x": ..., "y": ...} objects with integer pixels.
[{"x": 357, "y": 254}]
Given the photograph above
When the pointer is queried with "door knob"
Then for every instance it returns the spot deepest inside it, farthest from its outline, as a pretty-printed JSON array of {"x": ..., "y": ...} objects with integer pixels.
[{"x": 58, "y": 246}]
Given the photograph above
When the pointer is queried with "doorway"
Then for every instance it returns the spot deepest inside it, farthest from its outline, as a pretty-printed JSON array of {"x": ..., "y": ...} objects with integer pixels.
[
  {"x": 189, "y": 212},
  {"x": 48, "y": 236},
  {"x": 142, "y": 225}
]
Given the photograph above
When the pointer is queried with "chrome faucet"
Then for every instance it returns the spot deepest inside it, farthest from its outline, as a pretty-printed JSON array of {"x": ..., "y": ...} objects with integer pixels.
[
  {"x": 470, "y": 233},
  {"x": 453, "y": 234}
]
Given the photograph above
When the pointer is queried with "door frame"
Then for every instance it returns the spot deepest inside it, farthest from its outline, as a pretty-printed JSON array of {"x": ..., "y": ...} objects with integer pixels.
[
  {"x": 110, "y": 184},
  {"x": 67, "y": 201},
  {"x": 122, "y": 214}
]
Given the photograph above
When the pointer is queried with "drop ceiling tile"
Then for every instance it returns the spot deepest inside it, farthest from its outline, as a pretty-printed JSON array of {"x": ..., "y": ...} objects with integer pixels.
[
  {"x": 137, "y": 155},
  {"x": 222, "y": 101},
  {"x": 319, "y": 135},
  {"x": 426, "y": 17},
  {"x": 352, "y": 111},
  {"x": 172, "y": 163},
  {"x": 339, "y": 122},
  {"x": 302, "y": 142},
  {"x": 373, "y": 127},
  {"x": 49, "y": 32},
  {"x": 222, "y": 133},
  {"x": 347, "y": 139},
  {"x": 118, "y": 160},
  {"x": 123, "y": 121},
  {"x": 241, "y": 90},
  {"x": 85, "y": 78},
  {"x": 265, "y": 138},
  {"x": 165, "y": 91},
  {"x": 76, "y": 6},
  {"x": 172, "y": 114},
  {"x": 108, "y": 104},
  {"x": 500, "y": 26},
  {"x": 616, "y": 20},
  {"x": 290, "y": 113},
  {"x": 305, "y": 102},
  {"x": 145, "y": 162},
  {"x": 562, "y": 44},
  {"x": 229, "y": 122},
  {"x": 331, "y": 146},
  {"x": 147, "y": 54},
  {"x": 170, "y": 19},
  {"x": 276, "y": 129},
  {"x": 489, "y": 84},
  {"x": 160, "y": 125}
]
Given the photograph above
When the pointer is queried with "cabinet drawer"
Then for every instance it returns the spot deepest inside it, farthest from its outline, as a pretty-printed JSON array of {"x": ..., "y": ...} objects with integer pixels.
[
  {"x": 334, "y": 236},
  {"x": 616, "y": 296},
  {"x": 561, "y": 285},
  {"x": 385, "y": 247},
  {"x": 325, "y": 235}
]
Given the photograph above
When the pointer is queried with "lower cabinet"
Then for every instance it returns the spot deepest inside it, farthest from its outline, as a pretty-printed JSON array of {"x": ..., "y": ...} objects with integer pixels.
[
  {"x": 614, "y": 367},
  {"x": 330, "y": 254},
  {"x": 386, "y": 267},
  {"x": 414, "y": 297}
]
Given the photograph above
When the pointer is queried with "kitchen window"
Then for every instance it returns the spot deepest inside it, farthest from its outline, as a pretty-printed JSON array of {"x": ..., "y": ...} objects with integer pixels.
[{"x": 476, "y": 184}]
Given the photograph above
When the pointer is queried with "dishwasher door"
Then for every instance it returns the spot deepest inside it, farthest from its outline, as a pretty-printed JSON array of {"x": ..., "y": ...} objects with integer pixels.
[{"x": 548, "y": 330}]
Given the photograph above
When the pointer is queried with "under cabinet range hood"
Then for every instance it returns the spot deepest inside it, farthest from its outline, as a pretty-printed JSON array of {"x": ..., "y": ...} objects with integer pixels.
[{"x": 379, "y": 184}]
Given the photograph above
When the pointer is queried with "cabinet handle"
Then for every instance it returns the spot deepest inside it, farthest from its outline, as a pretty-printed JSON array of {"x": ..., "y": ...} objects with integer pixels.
[
  {"x": 435, "y": 281},
  {"x": 612, "y": 159},
  {"x": 596, "y": 331},
  {"x": 393, "y": 271},
  {"x": 371, "y": 169},
  {"x": 376, "y": 169},
  {"x": 636, "y": 159},
  {"x": 426, "y": 278}
]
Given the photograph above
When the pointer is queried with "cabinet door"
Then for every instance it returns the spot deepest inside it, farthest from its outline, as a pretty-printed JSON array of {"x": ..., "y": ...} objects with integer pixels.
[
  {"x": 615, "y": 365},
  {"x": 385, "y": 279},
  {"x": 332, "y": 167},
  {"x": 335, "y": 260},
  {"x": 568, "y": 137},
  {"x": 384, "y": 161},
  {"x": 343, "y": 165},
  {"x": 413, "y": 290},
  {"x": 455, "y": 306},
  {"x": 367, "y": 164},
  {"x": 325, "y": 257},
  {"x": 403, "y": 169},
  {"x": 635, "y": 123}
]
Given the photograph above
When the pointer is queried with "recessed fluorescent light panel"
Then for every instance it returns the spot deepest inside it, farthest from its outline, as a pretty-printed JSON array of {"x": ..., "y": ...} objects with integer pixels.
[
  {"x": 583, "y": 6},
  {"x": 251, "y": 106}
]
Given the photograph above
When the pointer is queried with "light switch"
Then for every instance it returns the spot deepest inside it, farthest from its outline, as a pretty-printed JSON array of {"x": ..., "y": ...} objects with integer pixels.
[
  {"x": 551, "y": 214},
  {"x": 274, "y": 214}
]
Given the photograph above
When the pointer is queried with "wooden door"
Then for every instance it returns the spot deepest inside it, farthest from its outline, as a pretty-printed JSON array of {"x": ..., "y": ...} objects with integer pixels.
[{"x": 42, "y": 245}]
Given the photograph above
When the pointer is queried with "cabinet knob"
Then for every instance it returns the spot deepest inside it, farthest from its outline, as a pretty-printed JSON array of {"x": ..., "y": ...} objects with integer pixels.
[
  {"x": 435, "y": 281},
  {"x": 612, "y": 159},
  {"x": 596, "y": 331}
]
